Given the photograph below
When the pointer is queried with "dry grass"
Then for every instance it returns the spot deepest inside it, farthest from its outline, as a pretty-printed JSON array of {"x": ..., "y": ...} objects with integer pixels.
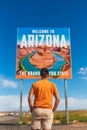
[{"x": 60, "y": 118}]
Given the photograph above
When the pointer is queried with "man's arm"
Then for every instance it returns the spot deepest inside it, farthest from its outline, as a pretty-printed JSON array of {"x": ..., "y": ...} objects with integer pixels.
[
  {"x": 30, "y": 101},
  {"x": 57, "y": 100}
]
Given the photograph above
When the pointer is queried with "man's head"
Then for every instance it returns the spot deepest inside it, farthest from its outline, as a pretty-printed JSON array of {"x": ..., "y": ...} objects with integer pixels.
[{"x": 44, "y": 72}]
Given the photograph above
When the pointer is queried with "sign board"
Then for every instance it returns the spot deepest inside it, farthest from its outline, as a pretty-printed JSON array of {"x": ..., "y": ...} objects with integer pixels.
[{"x": 43, "y": 47}]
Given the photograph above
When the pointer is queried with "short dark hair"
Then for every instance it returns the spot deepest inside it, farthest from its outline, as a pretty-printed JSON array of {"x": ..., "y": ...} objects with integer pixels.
[{"x": 44, "y": 72}]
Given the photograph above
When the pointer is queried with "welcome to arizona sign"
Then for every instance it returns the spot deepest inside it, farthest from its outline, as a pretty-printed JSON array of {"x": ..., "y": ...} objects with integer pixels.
[{"x": 43, "y": 47}]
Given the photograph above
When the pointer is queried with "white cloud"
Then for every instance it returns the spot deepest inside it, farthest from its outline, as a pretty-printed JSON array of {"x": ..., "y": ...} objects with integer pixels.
[
  {"x": 8, "y": 103},
  {"x": 77, "y": 103},
  {"x": 83, "y": 70},
  {"x": 7, "y": 83},
  {"x": 83, "y": 73},
  {"x": 73, "y": 104},
  {"x": 12, "y": 103},
  {"x": 85, "y": 78}
]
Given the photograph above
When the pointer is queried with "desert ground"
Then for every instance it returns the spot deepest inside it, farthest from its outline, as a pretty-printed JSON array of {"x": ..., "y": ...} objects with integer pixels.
[{"x": 55, "y": 127}]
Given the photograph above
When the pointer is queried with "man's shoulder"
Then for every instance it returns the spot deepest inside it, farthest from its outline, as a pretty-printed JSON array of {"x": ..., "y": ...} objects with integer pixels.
[
  {"x": 51, "y": 82},
  {"x": 41, "y": 82},
  {"x": 37, "y": 82}
]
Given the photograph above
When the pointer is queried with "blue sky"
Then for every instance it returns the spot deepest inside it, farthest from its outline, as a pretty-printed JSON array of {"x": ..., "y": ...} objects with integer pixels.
[{"x": 47, "y": 13}]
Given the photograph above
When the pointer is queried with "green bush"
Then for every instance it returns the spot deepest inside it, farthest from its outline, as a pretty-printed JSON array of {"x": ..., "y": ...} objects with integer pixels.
[{"x": 74, "y": 116}]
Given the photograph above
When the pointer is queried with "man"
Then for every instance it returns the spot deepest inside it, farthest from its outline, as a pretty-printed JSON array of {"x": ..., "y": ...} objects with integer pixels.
[{"x": 42, "y": 110}]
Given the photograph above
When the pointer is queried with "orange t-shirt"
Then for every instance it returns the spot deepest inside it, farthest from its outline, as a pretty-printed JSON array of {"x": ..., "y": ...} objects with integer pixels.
[{"x": 43, "y": 90}]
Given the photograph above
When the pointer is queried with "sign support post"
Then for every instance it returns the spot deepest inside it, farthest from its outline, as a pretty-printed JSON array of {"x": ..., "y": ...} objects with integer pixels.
[
  {"x": 20, "y": 102},
  {"x": 66, "y": 101}
]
